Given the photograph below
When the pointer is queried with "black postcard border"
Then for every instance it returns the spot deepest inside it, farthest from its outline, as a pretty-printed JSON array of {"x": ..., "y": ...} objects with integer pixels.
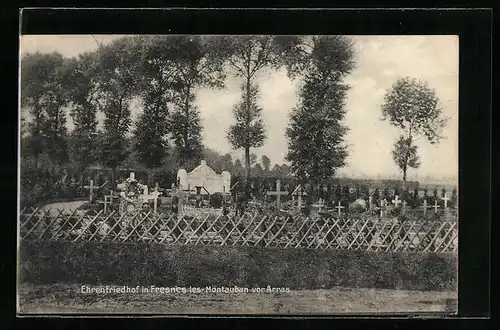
[{"x": 474, "y": 28}]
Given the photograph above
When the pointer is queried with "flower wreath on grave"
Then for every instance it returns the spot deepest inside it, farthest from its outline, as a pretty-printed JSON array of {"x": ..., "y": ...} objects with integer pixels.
[
  {"x": 394, "y": 210},
  {"x": 131, "y": 189}
]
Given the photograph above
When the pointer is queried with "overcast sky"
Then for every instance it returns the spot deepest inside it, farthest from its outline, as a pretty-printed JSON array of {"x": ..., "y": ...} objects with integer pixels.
[{"x": 380, "y": 60}]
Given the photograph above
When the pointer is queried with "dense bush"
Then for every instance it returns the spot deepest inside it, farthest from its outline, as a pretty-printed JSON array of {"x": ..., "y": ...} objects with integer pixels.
[
  {"x": 163, "y": 177},
  {"x": 45, "y": 184},
  {"x": 168, "y": 265},
  {"x": 216, "y": 200}
]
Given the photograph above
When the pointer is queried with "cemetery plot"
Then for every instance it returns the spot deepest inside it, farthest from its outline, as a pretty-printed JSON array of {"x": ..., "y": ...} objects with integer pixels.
[{"x": 370, "y": 234}]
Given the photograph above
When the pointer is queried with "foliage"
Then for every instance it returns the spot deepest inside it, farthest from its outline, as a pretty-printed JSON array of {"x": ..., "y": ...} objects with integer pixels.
[
  {"x": 315, "y": 133},
  {"x": 248, "y": 131},
  {"x": 248, "y": 55},
  {"x": 412, "y": 106},
  {"x": 405, "y": 153},
  {"x": 186, "y": 133},
  {"x": 117, "y": 84},
  {"x": 266, "y": 163},
  {"x": 163, "y": 176},
  {"x": 216, "y": 200},
  {"x": 43, "y": 184},
  {"x": 43, "y": 96},
  {"x": 99, "y": 263},
  {"x": 152, "y": 127},
  {"x": 81, "y": 89},
  {"x": 199, "y": 62}
]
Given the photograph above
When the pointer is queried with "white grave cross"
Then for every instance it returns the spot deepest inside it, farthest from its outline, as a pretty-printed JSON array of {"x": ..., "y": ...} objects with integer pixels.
[
  {"x": 425, "y": 206},
  {"x": 383, "y": 207},
  {"x": 298, "y": 191},
  {"x": 108, "y": 200},
  {"x": 339, "y": 207},
  {"x": 396, "y": 201},
  {"x": 320, "y": 204},
  {"x": 278, "y": 193},
  {"x": 180, "y": 195},
  {"x": 446, "y": 199},
  {"x": 404, "y": 206},
  {"x": 436, "y": 206},
  {"x": 91, "y": 187}
]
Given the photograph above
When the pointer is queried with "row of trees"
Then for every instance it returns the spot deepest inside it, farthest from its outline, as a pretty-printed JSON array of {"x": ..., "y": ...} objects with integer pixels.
[
  {"x": 162, "y": 75},
  {"x": 159, "y": 73}
]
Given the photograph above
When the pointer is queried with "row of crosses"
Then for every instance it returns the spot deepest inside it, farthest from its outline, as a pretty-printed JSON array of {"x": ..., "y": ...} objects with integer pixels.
[
  {"x": 396, "y": 201},
  {"x": 108, "y": 199},
  {"x": 278, "y": 193}
]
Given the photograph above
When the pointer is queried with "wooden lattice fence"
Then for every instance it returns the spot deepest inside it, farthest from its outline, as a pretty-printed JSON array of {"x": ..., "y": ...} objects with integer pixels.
[{"x": 369, "y": 234}]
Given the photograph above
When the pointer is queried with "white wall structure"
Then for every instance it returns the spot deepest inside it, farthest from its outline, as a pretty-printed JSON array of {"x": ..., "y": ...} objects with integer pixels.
[{"x": 204, "y": 176}]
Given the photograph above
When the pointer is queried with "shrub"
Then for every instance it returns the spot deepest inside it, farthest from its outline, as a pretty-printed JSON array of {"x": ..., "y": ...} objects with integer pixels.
[
  {"x": 216, "y": 200},
  {"x": 183, "y": 265},
  {"x": 162, "y": 176},
  {"x": 43, "y": 184}
]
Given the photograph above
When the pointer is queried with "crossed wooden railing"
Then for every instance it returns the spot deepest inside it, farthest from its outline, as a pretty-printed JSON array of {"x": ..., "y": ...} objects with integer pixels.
[{"x": 370, "y": 234}]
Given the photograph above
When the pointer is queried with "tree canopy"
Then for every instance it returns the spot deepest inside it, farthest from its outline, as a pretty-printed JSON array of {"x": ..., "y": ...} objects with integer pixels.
[
  {"x": 411, "y": 105},
  {"x": 315, "y": 133}
]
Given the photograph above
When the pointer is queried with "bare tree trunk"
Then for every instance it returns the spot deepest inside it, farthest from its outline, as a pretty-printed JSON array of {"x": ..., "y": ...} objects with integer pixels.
[
  {"x": 404, "y": 178},
  {"x": 247, "y": 146}
]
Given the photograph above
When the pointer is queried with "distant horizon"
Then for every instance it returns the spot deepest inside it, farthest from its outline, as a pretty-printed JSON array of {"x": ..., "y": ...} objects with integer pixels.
[{"x": 426, "y": 180}]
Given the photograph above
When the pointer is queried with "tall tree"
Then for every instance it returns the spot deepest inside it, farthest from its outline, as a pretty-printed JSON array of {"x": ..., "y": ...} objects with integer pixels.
[
  {"x": 117, "y": 76},
  {"x": 80, "y": 93},
  {"x": 315, "y": 133},
  {"x": 186, "y": 133},
  {"x": 412, "y": 106},
  {"x": 42, "y": 95},
  {"x": 249, "y": 55},
  {"x": 248, "y": 131},
  {"x": 153, "y": 125},
  {"x": 199, "y": 62},
  {"x": 266, "y": 162}
]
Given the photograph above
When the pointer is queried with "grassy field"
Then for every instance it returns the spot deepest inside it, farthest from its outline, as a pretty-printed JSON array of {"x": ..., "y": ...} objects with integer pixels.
[{"x": 69, "y": 299}]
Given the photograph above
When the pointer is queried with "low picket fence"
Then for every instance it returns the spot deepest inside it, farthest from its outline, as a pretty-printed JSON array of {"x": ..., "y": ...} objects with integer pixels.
[{"x": 213, "y": 228}]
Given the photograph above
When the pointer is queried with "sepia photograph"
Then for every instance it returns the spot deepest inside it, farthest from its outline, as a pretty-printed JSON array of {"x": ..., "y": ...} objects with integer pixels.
[{"x": 238, "y": 174}]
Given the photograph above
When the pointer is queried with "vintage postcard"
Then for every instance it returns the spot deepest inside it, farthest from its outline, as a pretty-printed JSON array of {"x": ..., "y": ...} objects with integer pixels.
[{"x": 250, "y": 174}]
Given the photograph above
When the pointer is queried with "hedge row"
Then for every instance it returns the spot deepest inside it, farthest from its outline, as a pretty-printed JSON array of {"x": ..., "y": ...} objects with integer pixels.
[{"x": 182, "y": 265}]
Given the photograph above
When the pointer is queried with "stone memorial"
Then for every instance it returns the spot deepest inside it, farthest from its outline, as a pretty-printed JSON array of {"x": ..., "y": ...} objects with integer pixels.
[{"x": 206, "y": 177}]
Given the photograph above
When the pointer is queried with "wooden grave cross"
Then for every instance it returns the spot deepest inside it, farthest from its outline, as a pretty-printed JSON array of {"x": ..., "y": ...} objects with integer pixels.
[
  {"x": 108, "y": 200},
  {"x": 299, "y": 193},
  {"x": 156, "y": 193},
  {"x": 446, "y": 199},
  {"x": 91, "y": 187},
  {"x": 403, "y": 209},
  {"x": 278, "y": 193},
  {"x": 321, "y": 204},
  {"x": 436, "y": 206},
  {"x": 396, "y": 201},
  {"x": 339, "y": 207},
  {"x": 382, "y": 207},
  {"x": 180, "y": 195},
  {"x": 425, "y": 206}
]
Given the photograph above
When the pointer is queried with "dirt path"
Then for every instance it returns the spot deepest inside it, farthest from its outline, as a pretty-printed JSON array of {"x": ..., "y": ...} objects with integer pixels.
[
  {"x": 66, "y": 207},
  {"x": 69, "y": 299}
]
